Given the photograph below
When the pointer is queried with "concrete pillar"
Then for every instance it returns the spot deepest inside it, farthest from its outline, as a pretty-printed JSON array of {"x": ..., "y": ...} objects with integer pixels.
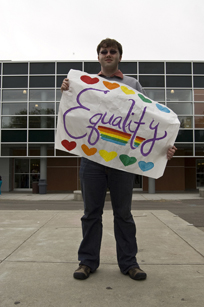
[
  {"x": 43, "y": 162},
  {"x": 151, "y": 185}
]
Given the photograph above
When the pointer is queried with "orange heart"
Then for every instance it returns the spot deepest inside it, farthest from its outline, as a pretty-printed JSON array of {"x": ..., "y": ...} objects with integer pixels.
[
  {"x": 111, "y": 86},
  {"x": 88, "y": 151}
]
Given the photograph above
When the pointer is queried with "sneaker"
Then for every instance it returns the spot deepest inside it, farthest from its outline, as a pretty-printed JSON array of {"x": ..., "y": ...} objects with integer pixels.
[
  {"x": 137, "y": 274},
  {"x": 82, "y": 272}
]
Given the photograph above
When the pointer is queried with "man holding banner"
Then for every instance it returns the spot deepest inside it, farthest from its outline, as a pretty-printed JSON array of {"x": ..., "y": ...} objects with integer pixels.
[{"x": 96, "y": 178}]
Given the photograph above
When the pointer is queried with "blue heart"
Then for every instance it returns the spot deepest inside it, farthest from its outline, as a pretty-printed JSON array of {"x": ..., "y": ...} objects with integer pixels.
[
  {"x": 162, "y": 108},
  {"x": 145, "y": 166}
]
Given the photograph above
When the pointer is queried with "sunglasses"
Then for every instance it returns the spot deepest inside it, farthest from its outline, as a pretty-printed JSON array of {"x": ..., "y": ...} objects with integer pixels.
[{"x": 112, "y": 51}]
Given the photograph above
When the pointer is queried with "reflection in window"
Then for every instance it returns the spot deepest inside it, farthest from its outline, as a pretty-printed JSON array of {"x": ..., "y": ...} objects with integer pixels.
[
  {"x": 199, "y": 135},
  {"x": 156, "y": 95},
  {"x": 41, "y": 108},
  {"x": 199, "y": 122},
  {"x": 185, "y": 136},
  {"x": 14, "y": 95},
  {"x": 199, "y": 108},
  {"x": 199, "y": 149},
  {"x": 181, "y": 108},
  {"x": 179, "y": 95},
  {"x": 59, "y": 95},
  {"x": 198, "y": 95},
  {"x": 42, "y": 95},
  {"x": 14, "y": 108},
  {"x": 186, "y": 121},
  {"x": 13, "y": 150},
  {"x": 184, "y": 149},
  {"x": 14, "y": 122},
  {"x": 41, "y": 122}
]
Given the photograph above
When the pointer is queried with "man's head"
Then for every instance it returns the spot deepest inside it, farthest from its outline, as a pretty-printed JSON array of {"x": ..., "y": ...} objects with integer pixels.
[
  {"x": 108, "y": 43},
  {"x": 109, "y": 55}
]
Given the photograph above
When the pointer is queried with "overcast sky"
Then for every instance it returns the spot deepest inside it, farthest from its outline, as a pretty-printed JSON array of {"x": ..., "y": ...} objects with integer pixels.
[{"x": 71, "y": 30}]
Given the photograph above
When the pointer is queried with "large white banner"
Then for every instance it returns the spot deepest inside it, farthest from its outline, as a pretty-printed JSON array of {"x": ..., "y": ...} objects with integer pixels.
[{"x": 115, "y": 125}]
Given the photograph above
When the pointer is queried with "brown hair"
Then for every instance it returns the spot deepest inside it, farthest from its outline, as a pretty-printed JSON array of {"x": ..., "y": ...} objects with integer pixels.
[{"x": 108, "y": 42}]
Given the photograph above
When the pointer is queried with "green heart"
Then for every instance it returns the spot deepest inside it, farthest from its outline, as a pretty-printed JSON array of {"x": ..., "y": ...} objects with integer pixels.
[
  {"x": 126, "y": 160},
  {"x": 144, "y": 99}
]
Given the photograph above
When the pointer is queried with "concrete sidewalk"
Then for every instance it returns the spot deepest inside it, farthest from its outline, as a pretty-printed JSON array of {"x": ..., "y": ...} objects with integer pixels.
[
  {"x": 70, "y": 196},
  {"x": 38, "y": 255}
]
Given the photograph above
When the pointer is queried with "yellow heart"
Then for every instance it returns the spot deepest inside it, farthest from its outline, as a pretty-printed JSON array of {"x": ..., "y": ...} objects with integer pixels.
[
  {"x": 126, "y": 90},
  {"x": 107, "y": 156}
]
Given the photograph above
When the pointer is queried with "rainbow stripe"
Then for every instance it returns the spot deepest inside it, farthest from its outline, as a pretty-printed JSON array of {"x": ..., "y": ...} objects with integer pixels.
[
  {"x": 114, "y": 136},
  {"x": 138, "y": 140}
]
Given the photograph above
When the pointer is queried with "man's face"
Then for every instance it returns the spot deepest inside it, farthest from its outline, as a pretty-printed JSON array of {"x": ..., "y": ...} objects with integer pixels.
[{"x": 109, "y": 57}]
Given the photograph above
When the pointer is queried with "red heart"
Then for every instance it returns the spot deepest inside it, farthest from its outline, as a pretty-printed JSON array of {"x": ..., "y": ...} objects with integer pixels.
[
  {"x": 68, "y": 145},
  {"x": 89, "y": 80}
]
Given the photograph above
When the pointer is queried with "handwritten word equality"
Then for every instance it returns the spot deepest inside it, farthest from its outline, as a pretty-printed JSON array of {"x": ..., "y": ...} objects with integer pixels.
[{"x": 128, "y": 124}]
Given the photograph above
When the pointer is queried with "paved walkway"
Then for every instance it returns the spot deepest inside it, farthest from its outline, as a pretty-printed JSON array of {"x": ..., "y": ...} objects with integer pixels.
[{"x": 38, "y": 254}]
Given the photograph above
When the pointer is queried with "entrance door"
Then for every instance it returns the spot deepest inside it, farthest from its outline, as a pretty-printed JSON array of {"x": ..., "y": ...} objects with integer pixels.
[{"x": 26, "y": 171}]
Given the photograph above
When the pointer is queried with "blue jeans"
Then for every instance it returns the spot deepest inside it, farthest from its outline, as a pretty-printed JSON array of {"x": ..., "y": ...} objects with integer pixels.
[{"x": 95, "y": 179}]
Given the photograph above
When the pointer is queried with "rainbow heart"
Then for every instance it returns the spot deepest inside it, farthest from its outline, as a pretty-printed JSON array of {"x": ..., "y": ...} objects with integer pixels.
[
  {"x": 111, "y": 86},
  {"x": 89, "y": 80},
  {"x": 68, "y": 145},
  {"x": 144, "y": 98},
  {"x": 126, "y": 90},
  {"x": 162, "y": 108},
  {"x": 145, "y": 166},
  {"x": 126, "y": 160},
  {"x": 88, "y": 151},
  {"x": 107, "y": 156}
]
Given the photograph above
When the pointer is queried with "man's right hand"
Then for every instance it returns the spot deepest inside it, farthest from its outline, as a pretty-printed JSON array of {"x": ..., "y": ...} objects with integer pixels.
[{"x": 65, "y": 85}]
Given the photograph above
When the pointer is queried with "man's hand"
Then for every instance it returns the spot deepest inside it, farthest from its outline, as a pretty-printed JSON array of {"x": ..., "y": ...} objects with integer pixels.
[
  {"x": 171, "y": 151},
  {"x": 65, "y": 85}
]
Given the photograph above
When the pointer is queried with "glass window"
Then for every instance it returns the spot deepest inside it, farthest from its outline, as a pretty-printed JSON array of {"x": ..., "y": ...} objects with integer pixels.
[
  {"x": 186, "y": 121},
  {"x": 199, "y": 122},
  {"x": 92, "y": 67},
  {"x": 13, "y": 150},
  {"x": 15, "y": 69},
  {"x": 156, "y": 95},
  {"x": 198, "y": 81},
  {"x": 42, "y": 81},
  {"x": 198, "y": 95},
  {"x": 41, "y": 121},
  {"x": 8, "y": 136},
  {"x": 200, "y": 172},
  {"x": 128, "y": 67},
  {"x": 59, "y": 95},
  {"x": 21, "y": 166},
  {"x": 185, "y": 136},
  {"x": 179, "y": 95},
  {"x": 42, "y": 68},
  {"x": 42, "y": 95},
  {"x": 178, "y": 68},
  {"x": 34, "y": 150},
  {"x": 14, "y": 122},
  {"x": 14, "y": 108},
  {"x": 199, "y": 149},
  {"x": 14, "y": 95},
  {"x": 64, "y": 67},
  {"x": 57, "y": 107},
  {"x": 178, "y": 81},
  {"x": 152, "y": 81},
  {"x": 151, "y": 68},
  {"x": 15, "y": 82},
  {"x": 41, "y": 108},
  {"x": 199, "y": 136},
  {"x": 35, "y": 169},
  {"x": 181, "y": 108},
  {"x": 199, "y": 108},
  {"x": 198, "y": 68},
  {"x": 184, "y": 149},
  {"x": 41, "y": 136}
]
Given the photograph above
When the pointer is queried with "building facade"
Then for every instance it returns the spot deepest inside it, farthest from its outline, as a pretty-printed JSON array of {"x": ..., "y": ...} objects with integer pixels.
[{"x": 30, "y": 96}]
